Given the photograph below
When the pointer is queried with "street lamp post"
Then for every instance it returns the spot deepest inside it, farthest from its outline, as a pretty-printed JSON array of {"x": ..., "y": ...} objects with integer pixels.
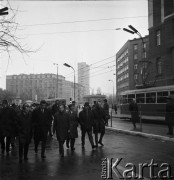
[
  {"x": 143, "y": 73},
  {"x": 113, "y": 91},
  {"x": 112, "y": 100},
  {"x": 4, "y": 11},
  {"x": 57, "y": 90},
  {"x": 67, "y": 65}
]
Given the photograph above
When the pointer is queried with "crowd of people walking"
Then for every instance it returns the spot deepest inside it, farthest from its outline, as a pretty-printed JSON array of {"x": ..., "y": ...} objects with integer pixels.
[{"x": 38, "y": 123}]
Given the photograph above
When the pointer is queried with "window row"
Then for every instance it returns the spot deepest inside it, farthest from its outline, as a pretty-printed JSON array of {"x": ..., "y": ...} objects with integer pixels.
[
  {"x": 123, "y": 70},
  {"x": 122, "y": 63},
  {"x": 151, "y": 97},
  {"x": 136, "y": 46},
  {"x": 144, "y": 55},
  {"x": 123, "y": 77},
  {"x": 122, "y": 55},
  {"x": 123, "y": 85}
]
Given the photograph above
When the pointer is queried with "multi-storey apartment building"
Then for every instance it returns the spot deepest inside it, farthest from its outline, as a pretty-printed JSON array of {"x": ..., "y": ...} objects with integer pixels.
[
  {"x": 161, "y": 41},
  {"x": 83, "y": 76},
  {"x": 42, "y": 86},
  {"x": 132, "y": 64}
]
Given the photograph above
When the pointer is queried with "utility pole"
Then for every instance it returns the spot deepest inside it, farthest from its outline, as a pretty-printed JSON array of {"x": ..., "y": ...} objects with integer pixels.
[{"x": 57, "y": 88}]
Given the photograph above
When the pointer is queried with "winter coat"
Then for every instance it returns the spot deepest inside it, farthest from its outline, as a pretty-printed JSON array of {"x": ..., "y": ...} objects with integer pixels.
[
  {"x": 99, "y": 119},
  {"x": 106, "y": 110},
  {"x": 73, "y": 122},
  {"x": 8, "y": 121},
  {"x": 55, "y": 108},
  {"x": 41, "y": 123},
  {"x": 86, "y": 120},
  {"x": 133, "y": 108},
  {"x": 24, "y": 125},
  {"x": 61, "y": 125},
  {"x": 169, "y": 116}
]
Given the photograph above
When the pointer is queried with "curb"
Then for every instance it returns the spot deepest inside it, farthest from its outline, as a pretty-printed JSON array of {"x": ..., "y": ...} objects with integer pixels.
[{"x": 135, "y": 133}]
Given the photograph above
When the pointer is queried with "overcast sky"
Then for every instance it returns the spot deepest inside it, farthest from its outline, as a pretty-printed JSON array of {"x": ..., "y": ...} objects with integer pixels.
[{"x": 72, "y": 32}]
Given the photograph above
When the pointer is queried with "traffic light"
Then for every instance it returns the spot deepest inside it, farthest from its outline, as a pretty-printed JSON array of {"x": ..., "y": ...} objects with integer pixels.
[{"x": 3, "y": 11}]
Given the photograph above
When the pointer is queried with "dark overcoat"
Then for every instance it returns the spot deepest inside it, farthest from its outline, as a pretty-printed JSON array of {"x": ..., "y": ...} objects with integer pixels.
[
  {"x": 169, "y": 116},
  {"x": 73, "y": 123},
  {"x": 24, "y": 125},
  {"x": 41, "y": 123},
  {"x": 99, "y": 120},
  {"x": 86, "y": 120},
  {"x": 8, "y": 121},
  {"x": 133, "y": 108},
  {"x": 61, "y": 125}
]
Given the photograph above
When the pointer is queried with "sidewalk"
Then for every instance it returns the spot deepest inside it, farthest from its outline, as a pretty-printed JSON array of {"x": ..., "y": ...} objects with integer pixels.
[{"x": 151, "y": 130}]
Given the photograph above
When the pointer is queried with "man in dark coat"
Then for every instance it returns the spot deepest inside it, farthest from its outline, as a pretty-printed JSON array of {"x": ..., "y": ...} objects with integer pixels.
[
  {"x": 133, "y": 108},
  {"x": 169, "y": 117},
  {"x": 8, "y": 120},
  {"x": 115, "y": 108},
  {"x": 106, "y": 109},
  {"x": 55, "y": 107},
  {"x": 62, "y": 127},
  {"x": 24, "y": 131},
  {"x": 41, "y": 118},
  {"x": 86, "y": 120},
  {"x": 73, "y": 122},
  {"x": 99, "y": 123}
]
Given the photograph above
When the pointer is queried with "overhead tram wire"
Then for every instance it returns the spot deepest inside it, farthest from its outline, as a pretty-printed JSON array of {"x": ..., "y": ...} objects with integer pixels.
[
  {"x": 68, "y": 32},
  {"x": 93, "y": 64},
  {"x": 101, "y": 73},
  {"x": 94, "y": 73},
  {"x": 84, "y": 21},
  {"x": 96, "y": 67}
]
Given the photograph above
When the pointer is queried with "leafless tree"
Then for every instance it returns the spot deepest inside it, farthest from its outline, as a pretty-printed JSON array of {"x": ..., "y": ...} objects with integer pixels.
[{"x": 8, "y": 28}]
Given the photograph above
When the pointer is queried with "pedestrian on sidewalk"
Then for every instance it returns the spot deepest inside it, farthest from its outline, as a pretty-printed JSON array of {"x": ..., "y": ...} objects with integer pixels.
[
  {"x": 73, "y": 121},
  {"x": 8, "y": 122},
  {"x": 133, "y": 108},
  {"x": 86, "y": 120},
  {"x": 55, "y": 107},
  {"x": 24, "y": 125},
  {"x": 106, "y": 109},
  {"x": 99, "y": 123},
  {"x": 61, "y": 126},
  {"x": 115, "y": 108},
  {"x": 41, "y": 118},
  {"x": 169, "y": 116}
]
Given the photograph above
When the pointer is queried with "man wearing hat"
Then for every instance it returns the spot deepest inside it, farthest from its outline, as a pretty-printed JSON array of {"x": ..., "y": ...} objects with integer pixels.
[
  {"x": 86, "y": 123},
  {"x": 106, "y": 109},
  {"x": 169, "y": 116},
  {"x": 41, "y": 119},
  {"x": 99, "y": 123},
  {"x": 8, "y": 121}
]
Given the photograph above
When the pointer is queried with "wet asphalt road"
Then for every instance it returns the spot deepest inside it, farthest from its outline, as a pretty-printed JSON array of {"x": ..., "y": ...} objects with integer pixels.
[{"x": 86, "y": 164}]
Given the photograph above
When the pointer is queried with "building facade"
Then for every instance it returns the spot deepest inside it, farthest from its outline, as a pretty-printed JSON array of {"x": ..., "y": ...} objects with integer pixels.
[
  {"x": 161, "y": 41},
  {"x": 83, "y": 76},
  {"x": 42, "y": 86},
  {"x": 132, "y": 65}
]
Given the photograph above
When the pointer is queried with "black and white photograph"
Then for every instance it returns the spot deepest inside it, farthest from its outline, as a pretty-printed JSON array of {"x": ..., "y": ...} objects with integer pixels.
[{"x": 86, "y": 89}]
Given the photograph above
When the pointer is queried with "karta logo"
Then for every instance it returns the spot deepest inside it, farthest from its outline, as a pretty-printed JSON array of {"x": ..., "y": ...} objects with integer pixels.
[{"x": 111, "y": 168}]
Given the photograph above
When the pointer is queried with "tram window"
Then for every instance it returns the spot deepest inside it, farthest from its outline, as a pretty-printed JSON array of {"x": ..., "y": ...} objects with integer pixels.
[
  {"x": 171, "y": 92},
  {"x": 140, "y": 98},
  {"x": 125, "y": 99},
  {"x": 151, "y": 97},
  {"x": 162, "y": 97},
  {"x": 130, "y": 97}
]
